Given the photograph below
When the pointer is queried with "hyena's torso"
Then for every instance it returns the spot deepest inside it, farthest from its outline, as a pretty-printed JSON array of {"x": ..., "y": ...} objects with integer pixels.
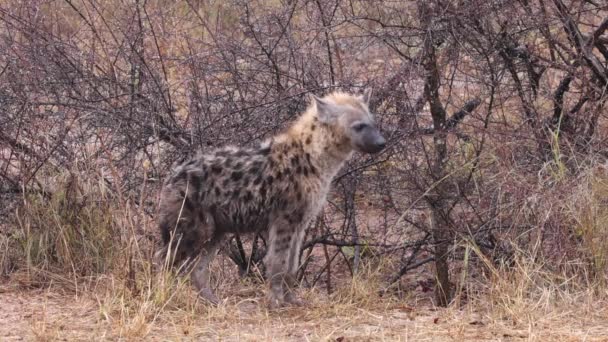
[{"x": 240, "y": 190}]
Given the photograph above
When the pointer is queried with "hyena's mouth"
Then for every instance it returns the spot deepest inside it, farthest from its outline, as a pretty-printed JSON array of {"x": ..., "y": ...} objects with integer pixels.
[{"x": 374, "y": 147}]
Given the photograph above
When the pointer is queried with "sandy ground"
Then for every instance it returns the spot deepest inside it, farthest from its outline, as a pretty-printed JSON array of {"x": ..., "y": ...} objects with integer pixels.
[{"x": 44, "y": 315}]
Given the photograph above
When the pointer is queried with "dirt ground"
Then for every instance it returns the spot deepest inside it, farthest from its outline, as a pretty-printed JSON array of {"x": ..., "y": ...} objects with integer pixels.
[{"x": 45, "y": 315}]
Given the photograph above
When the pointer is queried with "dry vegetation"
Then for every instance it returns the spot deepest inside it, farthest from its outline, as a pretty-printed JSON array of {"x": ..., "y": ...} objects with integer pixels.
[{"x": 485, "y": 219}]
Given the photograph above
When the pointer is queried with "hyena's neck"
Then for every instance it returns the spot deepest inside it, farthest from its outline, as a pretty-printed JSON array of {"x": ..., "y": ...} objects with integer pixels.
[{"x": 317, "y": 143}]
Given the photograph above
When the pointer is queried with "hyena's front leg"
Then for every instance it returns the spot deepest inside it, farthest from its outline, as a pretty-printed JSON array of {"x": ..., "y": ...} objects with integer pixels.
[
  {"x": 293, "y": 266},
  {"x": 201, "y": 275},
  {"x": 280, "y": 236}
]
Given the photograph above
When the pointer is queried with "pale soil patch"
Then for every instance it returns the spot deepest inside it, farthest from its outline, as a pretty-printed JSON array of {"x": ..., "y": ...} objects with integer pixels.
[{"x": 49, "y": 315}]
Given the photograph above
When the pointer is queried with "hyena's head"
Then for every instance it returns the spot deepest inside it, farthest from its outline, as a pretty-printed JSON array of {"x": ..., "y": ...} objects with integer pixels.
[{"x": 350, "y": 121}]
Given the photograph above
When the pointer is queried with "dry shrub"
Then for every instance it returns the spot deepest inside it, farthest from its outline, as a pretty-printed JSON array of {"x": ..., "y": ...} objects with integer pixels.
[
  {"x": 587, "y": 211},
  {"x": 70, "y": 230},
  {"x": 82, "y": 237},
  {"x": 80, "y": 228},
  {"x": 528, "y": 290}
]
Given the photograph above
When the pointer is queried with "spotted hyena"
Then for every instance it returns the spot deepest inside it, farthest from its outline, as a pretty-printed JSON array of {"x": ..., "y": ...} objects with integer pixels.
[{"x": 276, "y": 189}]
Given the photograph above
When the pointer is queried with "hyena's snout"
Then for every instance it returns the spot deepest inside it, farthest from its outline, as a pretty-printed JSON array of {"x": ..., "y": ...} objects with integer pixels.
[{"x": 372, "y": 140}]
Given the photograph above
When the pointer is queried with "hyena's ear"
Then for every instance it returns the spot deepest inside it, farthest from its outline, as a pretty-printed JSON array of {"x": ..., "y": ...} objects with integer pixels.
[
  {"x": 326, "y": 111},
  {"x": 367, "y": 95}
]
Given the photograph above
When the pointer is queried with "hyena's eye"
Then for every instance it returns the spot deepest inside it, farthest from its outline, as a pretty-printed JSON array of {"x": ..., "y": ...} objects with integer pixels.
[{"x": 360, "y": 126}]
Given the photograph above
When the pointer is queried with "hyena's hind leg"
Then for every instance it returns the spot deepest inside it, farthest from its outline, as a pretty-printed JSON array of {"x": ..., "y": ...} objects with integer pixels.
[{"x": 201, "y": 277}]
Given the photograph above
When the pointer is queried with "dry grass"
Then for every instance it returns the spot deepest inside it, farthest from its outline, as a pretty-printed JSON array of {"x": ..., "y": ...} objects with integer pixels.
[
  {"x": 354, "y": 312},
  {"x": 521, "y": 303},
  {"x": 85, "y": 273}
]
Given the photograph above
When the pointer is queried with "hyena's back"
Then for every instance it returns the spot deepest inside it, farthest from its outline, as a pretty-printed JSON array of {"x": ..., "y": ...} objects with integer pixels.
[{"x": 219, "y": 192}]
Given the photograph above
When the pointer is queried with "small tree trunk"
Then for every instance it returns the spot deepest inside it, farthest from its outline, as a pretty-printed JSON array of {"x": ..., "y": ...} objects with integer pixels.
[
  {"x": 442, "y": 290},
  {"x": 436, "y": 199},
  {"x": 439, "y": 224}
]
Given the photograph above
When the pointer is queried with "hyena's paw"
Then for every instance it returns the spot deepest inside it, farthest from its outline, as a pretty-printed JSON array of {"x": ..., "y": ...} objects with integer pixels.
[
  {"x": 293, "y": 300},
  {"x": 286, "y": 300},
  {"x": 275, "y": 301},
  {"x": 208, "y": 296}
]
